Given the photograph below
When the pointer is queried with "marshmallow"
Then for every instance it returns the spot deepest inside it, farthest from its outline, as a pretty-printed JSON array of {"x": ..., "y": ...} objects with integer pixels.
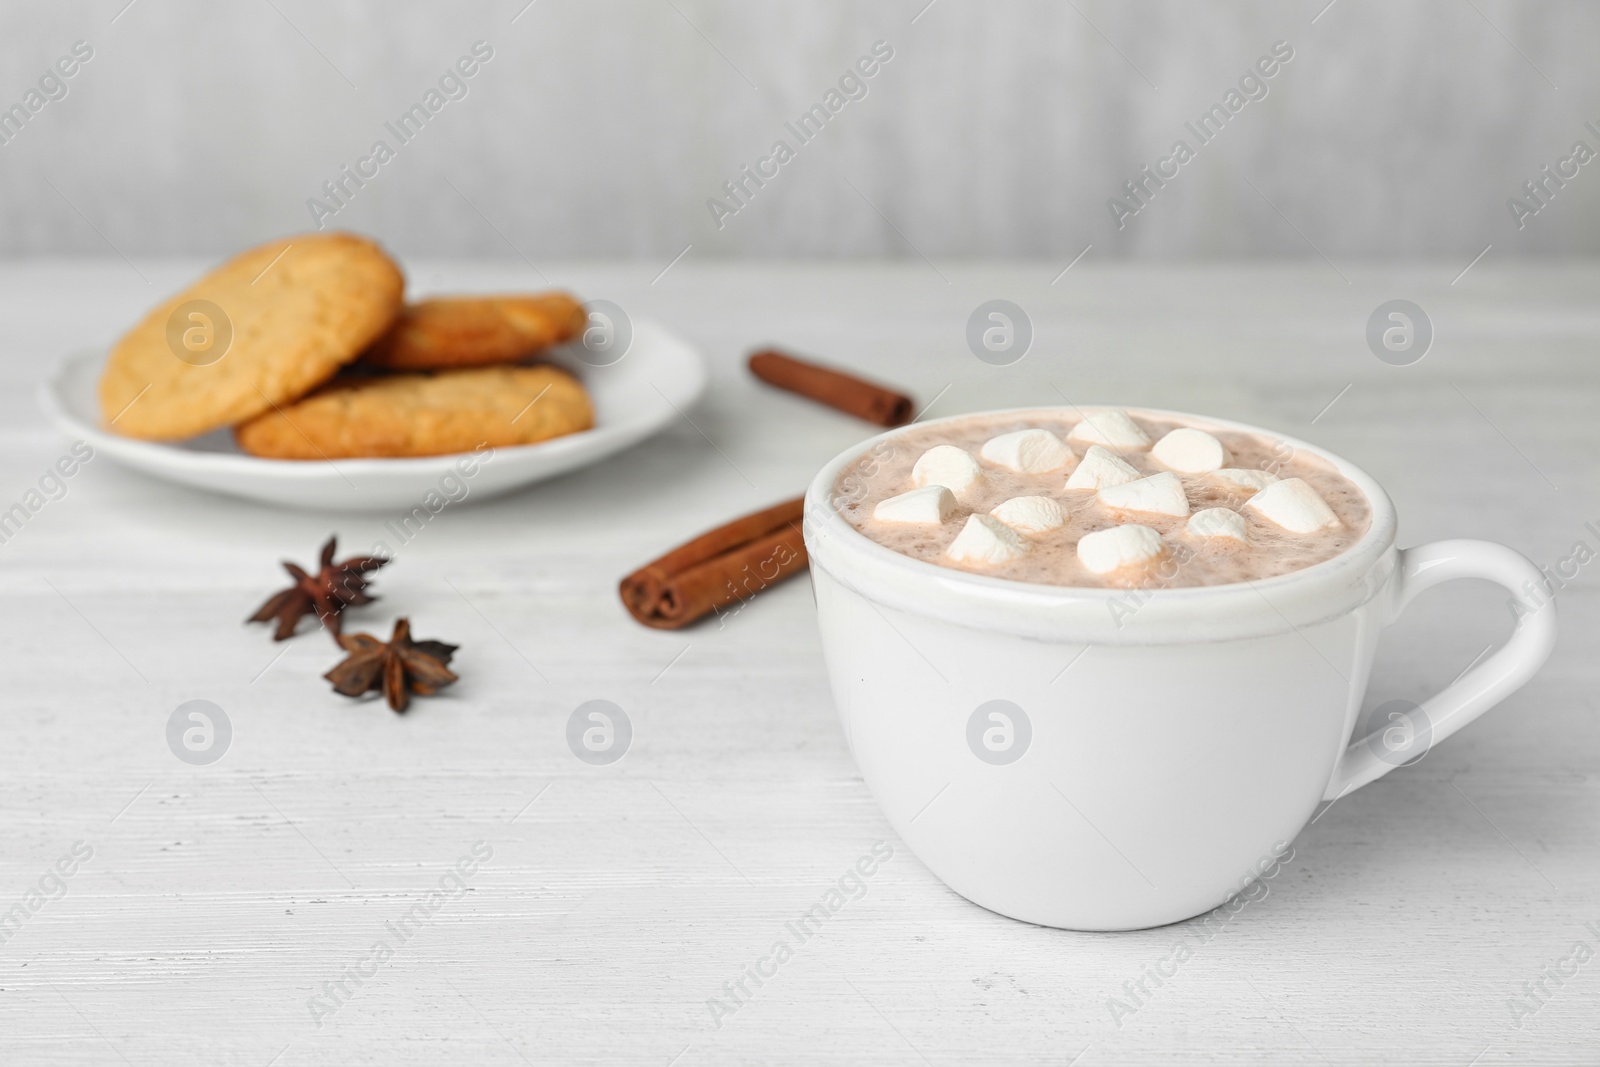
[
  {"x": 1121, "y": 546},
  {"x": 1031, "y": 514},
  {"x": 1100, "y": 468},
  {"x": 1159, "y": 494},
  {"x": 948, "y": 466},
  {"x": 1111, "y": 428},
  {"x": 932, "y": 504},
  {"x": 1190, "y": 451},
  {"x": 1027, "y": 451},
  {"x": 1216, "y": 522},
  {"x": 1295, "y": 506},
  {"x": 1244, "y": 478},
  {"x": 985, "y": 539}
]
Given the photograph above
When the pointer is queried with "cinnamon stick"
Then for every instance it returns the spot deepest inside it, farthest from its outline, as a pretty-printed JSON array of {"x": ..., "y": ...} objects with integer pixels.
[
  {"x": 855, "y": 396},
  {"x": 732, "y": 562}
]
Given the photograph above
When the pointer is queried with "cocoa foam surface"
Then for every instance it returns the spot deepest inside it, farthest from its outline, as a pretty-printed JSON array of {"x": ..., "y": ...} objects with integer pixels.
[{"x": 1052, "y": 557}]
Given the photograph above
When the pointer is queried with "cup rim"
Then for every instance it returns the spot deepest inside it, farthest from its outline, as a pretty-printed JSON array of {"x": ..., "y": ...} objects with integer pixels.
[{"x": 833, "y": 541}]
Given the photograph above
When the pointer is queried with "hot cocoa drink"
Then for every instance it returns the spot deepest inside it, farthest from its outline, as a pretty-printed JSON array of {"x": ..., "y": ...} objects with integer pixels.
[{"x": 1101, "y": 498}]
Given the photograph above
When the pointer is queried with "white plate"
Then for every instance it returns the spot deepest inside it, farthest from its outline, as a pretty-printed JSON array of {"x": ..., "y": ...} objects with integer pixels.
[{"x": 656, "y": 380}]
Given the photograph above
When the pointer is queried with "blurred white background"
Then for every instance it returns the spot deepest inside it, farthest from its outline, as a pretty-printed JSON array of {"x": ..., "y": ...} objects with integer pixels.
[{"x": 601, "y": 128}]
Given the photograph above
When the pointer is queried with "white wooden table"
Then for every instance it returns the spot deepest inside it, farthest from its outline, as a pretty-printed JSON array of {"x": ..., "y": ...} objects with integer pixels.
[{"x": 219, "y": 899}]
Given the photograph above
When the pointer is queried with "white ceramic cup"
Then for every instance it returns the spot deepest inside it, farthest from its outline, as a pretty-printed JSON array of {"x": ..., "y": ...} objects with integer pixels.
[{"x": 1095, "y": 760}]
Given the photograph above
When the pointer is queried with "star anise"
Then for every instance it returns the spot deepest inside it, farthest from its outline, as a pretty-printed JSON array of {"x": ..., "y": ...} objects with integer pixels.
[
  {"x": 333, "y": 588},
  {"x": 398, "y": 668}
]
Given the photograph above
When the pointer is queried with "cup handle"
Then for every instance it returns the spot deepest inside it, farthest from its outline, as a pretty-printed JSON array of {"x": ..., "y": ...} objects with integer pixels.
[{"x": 1482, "y": 687}]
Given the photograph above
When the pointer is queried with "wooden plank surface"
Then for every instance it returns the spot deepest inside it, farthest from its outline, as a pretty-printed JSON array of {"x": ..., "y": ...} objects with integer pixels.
[{"x": 219, "y": 900}]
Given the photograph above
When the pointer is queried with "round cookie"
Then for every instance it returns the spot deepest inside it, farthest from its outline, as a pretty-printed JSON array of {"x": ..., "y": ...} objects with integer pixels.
[
  {"x": 464, "y": 331},
  {"x": 263, "y": 329},
  {"x": 423, "y": 414}
]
